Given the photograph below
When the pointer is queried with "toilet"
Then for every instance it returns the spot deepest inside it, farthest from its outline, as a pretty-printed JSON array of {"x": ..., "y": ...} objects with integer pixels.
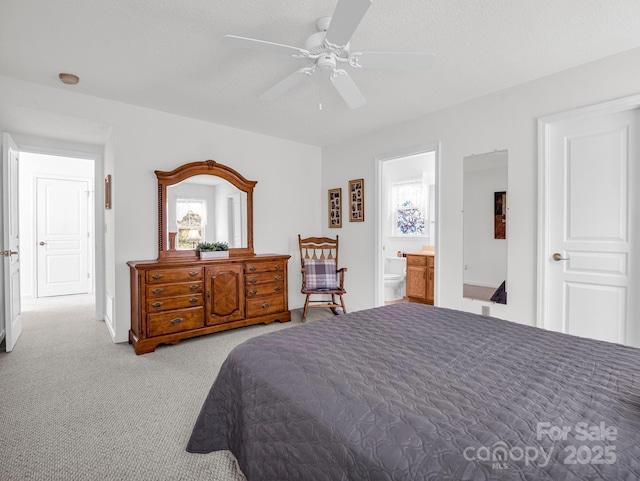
[{"x": 395, "y": 272}]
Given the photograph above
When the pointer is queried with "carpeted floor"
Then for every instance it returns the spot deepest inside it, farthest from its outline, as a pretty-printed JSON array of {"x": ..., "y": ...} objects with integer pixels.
[{"x": 75, "y": 406}]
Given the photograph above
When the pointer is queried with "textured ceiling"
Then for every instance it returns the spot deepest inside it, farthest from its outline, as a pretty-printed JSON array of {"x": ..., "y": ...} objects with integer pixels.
[{"x": 169, "y": 55}]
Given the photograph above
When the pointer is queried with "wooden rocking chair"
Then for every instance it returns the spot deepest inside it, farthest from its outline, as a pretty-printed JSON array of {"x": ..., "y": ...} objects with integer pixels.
[{"x": 320, "y": 274}]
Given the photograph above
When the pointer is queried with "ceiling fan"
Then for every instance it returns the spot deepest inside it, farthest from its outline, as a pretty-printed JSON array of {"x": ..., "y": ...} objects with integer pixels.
[{"x": 328, "y": 48}]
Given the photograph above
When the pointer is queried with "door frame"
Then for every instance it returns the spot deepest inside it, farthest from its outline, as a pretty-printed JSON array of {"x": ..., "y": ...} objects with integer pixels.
[
  {"x": 545, "y": 124},
  {"x": 37, "y": 145},
  {"x": 10, "y": 312},
  {"x": 379, "y": 254}
]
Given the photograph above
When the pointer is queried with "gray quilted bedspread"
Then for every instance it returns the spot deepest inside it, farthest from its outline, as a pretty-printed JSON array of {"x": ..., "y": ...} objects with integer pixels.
[{"x": 413, "y": 392}]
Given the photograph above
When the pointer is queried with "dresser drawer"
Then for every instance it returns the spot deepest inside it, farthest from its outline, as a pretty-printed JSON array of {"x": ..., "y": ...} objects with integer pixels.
[
  {"x": 262, "y": 306},
  {"x": 172, "y": 290},
  {"x": 174, "y": 275},
  {"x": 254, "y": 267},
  {"x": 264, "y": 289},
  {"x": 264, "y": 277},
  {"x": 174, "y": 321},
  {"x": 416, "y": 260},
  {"x": 168, "y": 303}
]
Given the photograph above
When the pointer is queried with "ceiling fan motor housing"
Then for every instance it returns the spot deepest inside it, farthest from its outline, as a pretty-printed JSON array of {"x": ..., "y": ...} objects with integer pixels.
[{"x": 315, "y": 43}]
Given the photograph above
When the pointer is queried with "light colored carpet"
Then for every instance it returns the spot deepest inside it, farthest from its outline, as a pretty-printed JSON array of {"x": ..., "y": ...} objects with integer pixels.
[{"x": 75, "y": 406}]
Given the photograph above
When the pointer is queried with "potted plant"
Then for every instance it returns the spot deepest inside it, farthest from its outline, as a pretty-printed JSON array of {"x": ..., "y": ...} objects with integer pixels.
[{"x": 213, "y": 250}]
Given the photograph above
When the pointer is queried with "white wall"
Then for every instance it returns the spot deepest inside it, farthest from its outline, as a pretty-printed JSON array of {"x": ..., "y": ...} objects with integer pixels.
[
  {"x": 503, "y": 120},
  {"x": 138, "y": 141}
]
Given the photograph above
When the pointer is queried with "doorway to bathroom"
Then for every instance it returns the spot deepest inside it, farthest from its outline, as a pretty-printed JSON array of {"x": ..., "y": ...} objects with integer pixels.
[{"x": 406, "y": 217}]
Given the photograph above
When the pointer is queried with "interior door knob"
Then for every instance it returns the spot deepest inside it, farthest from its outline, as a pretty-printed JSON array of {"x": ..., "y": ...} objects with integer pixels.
[
  {"x": 42, "y": 243},
  {"x": 558, "y": 257}
]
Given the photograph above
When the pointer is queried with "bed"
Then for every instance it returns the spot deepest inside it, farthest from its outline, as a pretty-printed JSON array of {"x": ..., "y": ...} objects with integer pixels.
[{"x": 414, "y": 392}]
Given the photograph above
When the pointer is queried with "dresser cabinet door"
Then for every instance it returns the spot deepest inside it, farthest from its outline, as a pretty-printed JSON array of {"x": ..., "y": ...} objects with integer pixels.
[{"x": 224, "y": 287}]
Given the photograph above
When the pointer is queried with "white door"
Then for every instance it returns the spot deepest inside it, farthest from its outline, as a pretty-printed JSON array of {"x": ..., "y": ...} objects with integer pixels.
[
  {"x": 62, "y": 237},
  {"x": 11, "y": 241},
  {"x": 591, "y": 236}
]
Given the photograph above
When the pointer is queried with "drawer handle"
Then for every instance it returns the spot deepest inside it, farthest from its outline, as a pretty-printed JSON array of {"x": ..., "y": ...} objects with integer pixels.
[
  {"x": 157, "y": 291},
  {"x": 253, "y": 268},
  {"x": 156, "y": 304},
  {"x": 253, "y": 292},
  {"x": 193, "y": 287},
  {"x": 193, "y": 300},
  {"x": 278, "y": 288},
  {"x": 253, "y": 281},
  {"x": 157, "y": 276},
  {"x": 278, "y": 278},
  {"x": 278, "y": 267},
  {"x": 176, "y": 321},
  {"x": 266, "y": 305},
  {"x": 193, "y": 273}
]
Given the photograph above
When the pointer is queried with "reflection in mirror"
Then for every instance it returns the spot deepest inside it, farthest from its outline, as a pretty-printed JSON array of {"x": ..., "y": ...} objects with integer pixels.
[
  {"x": 485, "y": 226},
  {"x": 206, "y": 208}
]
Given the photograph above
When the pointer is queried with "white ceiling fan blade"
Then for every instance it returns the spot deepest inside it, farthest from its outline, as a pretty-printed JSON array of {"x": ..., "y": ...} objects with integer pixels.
[
  {"x": 348, "y": 89},
  {"x": 288, "y": 83},
  {"x": 253, "y": 44},
  {"x": 392, "y": 60},
  {"x": 344, "y": 21}
]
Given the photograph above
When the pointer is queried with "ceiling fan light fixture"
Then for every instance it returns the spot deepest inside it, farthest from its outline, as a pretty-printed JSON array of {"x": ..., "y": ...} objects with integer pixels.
[
  {"x": 68, "y": 78},
  {"x": 327, "y": 62}
]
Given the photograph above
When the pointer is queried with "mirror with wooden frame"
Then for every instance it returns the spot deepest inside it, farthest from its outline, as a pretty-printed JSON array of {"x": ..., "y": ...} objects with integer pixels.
[{"x": 203, "y": 202}]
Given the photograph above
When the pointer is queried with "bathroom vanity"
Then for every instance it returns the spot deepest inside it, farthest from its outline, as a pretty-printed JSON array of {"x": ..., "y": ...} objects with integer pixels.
[{"x": 420, "y": 277}]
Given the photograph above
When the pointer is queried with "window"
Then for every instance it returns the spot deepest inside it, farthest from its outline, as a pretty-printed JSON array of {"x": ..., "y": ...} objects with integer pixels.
[
  {"x": 190, "y": 215},
  {"x": 409, "y": 200}
]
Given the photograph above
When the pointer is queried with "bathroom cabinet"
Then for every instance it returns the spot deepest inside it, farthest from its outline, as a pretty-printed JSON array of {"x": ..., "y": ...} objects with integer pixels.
[{"x": 420, "y": 277}]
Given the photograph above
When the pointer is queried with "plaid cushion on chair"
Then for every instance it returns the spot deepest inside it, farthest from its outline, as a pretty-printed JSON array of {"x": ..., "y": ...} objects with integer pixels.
[{"x": 320, "y": 274}]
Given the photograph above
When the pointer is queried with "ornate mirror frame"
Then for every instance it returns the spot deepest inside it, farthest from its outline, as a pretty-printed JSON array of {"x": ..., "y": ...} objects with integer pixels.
[{"x": 206, "y": 167}]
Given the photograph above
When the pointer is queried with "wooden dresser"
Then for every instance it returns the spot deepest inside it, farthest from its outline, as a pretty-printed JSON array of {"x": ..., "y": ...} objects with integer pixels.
[
  {"x": 175, "y": 300},
  {"x": 420, "y": 277}
]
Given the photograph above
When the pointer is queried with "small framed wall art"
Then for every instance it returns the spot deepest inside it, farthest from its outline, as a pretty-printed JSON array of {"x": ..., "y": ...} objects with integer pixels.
[
  {"x": 356, "y": 200},
  {"x": 335, "y": 207}
]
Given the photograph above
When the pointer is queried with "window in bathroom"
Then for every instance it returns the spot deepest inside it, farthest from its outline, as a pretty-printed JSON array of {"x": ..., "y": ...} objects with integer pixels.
[{"x": 409, "y": 200}]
